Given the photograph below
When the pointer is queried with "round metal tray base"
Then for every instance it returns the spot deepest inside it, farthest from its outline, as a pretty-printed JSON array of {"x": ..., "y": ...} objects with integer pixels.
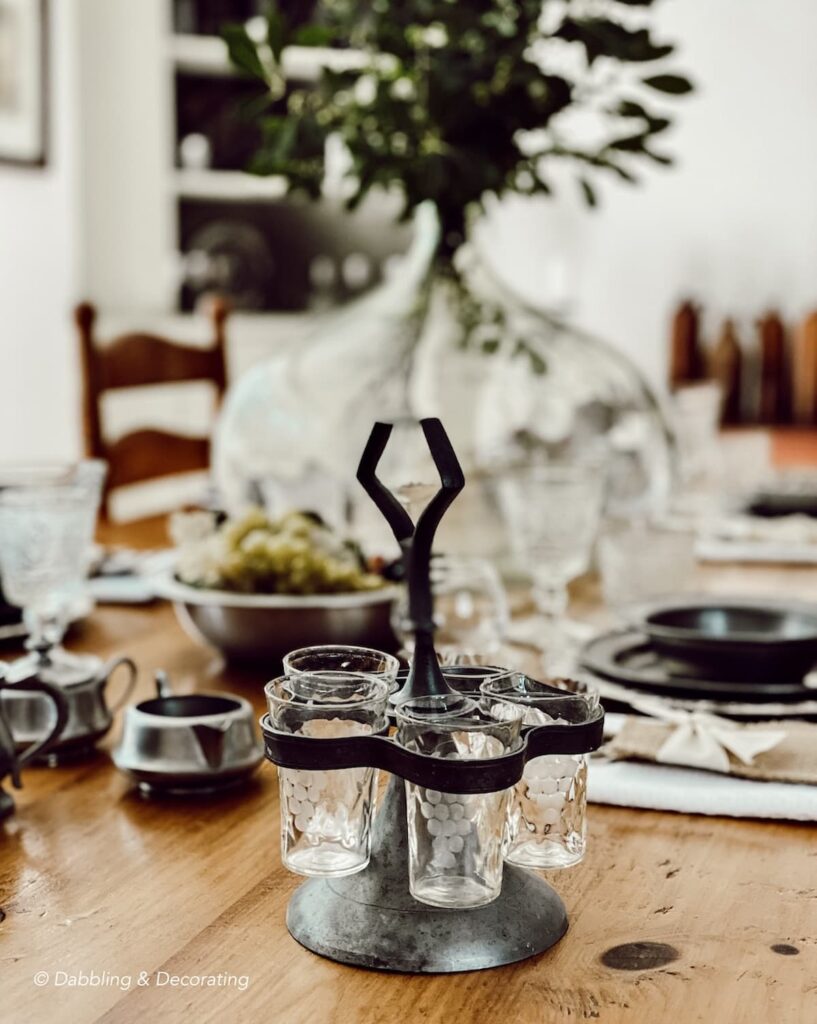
[
  {"x": 155, "y": 789},
  {"x": 371, "y": 920},
  {"x": 57, "y": 756},
  {"x": 526, "y": 919}
]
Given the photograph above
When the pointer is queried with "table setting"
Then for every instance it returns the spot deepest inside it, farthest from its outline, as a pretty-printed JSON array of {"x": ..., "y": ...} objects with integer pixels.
[
  {"x": 527, "y": 719},
  {"x": 700, "y": 673},
  {"x": 391, "y": 626}
]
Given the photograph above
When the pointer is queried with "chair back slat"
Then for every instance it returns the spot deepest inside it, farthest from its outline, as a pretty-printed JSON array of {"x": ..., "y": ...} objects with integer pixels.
[
  {"x": 142, "y": 359},
  {"x": 151, "y": 454},
  {"x": 139, "y": 360}
]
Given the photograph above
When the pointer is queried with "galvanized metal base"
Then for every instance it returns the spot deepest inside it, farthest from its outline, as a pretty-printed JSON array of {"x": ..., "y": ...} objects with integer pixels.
[{"x": 371, "y": 920}]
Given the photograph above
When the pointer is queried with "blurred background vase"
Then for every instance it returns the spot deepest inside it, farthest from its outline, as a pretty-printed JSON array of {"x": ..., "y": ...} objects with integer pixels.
[
  {"x": 517, "y": 385},
  {"x": 442, "y": 109},
  {"x": 442, "y": 336}
]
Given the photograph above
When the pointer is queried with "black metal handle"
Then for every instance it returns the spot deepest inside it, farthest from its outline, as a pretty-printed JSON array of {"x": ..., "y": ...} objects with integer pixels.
[
  {"x": 425, "y": 677},
  {"x": 487, "y": 775},
  {"x": 390, "y": 508},
  {"x": 452, "y": 481}
]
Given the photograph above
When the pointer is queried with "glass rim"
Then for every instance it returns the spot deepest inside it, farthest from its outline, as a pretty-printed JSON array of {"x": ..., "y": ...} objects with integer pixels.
[
  {"x": 45, "y": 470},
  {"x": 465, "y": 719},
  {"x": 380, "y": 687},
  {"x": 613, "y": 529},
  {"x": 489, "y": 671},
  {"x": 572, "y": 469},
  {"x": 589, "y": 699},
  {"x": 391, "y": 661},
  {"x": 56, "y": 493}
]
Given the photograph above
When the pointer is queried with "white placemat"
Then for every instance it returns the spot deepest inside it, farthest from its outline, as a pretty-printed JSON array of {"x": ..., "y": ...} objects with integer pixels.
[
  {"x": 690, "y": 791},
  {"x": 715, "y": 549}
]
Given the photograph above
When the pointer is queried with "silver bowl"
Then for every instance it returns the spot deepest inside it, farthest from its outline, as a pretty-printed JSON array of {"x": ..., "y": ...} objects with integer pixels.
[{"x": 265, "y": 627}]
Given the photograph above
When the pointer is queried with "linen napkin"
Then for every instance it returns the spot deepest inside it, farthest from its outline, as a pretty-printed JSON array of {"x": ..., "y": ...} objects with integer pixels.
[
  {"x": 772, "y": 775},
  {"x": 788, "y": 539},
  {"x": 767, "y": 751},
  {"x": 691, "y": 791}
]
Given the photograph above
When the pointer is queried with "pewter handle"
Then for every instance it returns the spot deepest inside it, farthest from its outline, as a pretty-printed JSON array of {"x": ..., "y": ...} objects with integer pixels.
[
  {"x": 108, "y": 670},
  {"x": 41, "y": 746}
]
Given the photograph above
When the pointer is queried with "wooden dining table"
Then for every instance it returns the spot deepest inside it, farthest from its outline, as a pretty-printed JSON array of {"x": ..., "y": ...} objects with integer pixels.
[{"x": 120, "y": 908}]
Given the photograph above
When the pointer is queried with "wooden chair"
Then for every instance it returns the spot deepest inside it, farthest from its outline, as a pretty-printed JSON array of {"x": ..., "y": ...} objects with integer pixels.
[{"x": 140, "y": 360}]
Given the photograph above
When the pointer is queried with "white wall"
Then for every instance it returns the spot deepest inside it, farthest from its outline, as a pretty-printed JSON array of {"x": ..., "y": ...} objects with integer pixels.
[
  {"x": 734, "y": 223},
  {"x": 39, "y": 219},
  {"x": 126, "y": 128}
]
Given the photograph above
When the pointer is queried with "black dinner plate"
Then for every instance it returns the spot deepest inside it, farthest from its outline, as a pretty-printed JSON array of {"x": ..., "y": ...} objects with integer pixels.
[
  {"x": 735, "y": 639},
  {"x": 628, "y": 657}
]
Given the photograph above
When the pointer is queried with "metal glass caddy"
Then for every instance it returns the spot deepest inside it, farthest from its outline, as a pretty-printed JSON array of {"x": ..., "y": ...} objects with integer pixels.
[{"x": 370, "y": 919}]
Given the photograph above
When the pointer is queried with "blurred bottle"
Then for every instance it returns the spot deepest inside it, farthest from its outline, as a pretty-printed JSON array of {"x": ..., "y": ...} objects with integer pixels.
[
  {"x": 775, "y": 393},
  {"x": 726, "y": 367},
  {"x": 685, "y": 361},
  {"x": 804, "y": 372}
]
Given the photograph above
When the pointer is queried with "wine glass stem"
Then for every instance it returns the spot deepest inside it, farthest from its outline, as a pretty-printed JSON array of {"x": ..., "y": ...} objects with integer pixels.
[
  {"x": 551, "y": 597},
  {"x": 45, "y": 628}
]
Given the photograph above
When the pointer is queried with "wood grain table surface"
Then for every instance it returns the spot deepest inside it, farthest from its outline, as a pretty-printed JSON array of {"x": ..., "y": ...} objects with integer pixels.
[{"x": 674, "y": 918}]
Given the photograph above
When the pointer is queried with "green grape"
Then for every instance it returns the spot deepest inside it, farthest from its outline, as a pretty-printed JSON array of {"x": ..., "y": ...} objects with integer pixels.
[{"x": 296, "y": 554}]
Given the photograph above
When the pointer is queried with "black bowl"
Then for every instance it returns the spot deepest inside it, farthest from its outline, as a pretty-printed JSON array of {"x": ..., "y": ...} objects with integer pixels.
[{"x": 737, "y": 638}]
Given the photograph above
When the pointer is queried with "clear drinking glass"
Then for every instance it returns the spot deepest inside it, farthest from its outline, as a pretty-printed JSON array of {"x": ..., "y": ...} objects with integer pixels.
[
  {"x": 470, "y": 611},
  {"x": 342, "y": 658},
  {"x": 548, "y": 817},
  {"x": 455, "y": 840},
  {"x": 696, "y": 415},
  {"x": 326, "y": 815},
  {"x": 47, "y": 522},
  {"x": 641, "y": 562}
]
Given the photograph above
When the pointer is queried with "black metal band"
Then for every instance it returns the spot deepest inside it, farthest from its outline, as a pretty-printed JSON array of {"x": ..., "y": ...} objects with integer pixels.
[{"x": 449, "y": 776}]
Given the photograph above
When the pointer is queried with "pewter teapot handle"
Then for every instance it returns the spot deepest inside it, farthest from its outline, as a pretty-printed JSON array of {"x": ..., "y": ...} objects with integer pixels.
[
  {"x": 57, "y": 697},
  {"x": 108, "y": 670}
]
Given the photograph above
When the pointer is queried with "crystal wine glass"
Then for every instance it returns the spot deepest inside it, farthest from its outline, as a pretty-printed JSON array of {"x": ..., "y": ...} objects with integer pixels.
[
  {"x": 46, "y": 530},
  {"x": 552, "y": 512}
]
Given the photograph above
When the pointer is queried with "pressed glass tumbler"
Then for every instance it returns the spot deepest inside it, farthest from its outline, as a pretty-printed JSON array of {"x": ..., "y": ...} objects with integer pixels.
[
  {"x": 455, "y": 840},
  {"x": 643, "y": 561},
  {"x": 548, "y": 817},
  {"x": 326, "y": 815}
]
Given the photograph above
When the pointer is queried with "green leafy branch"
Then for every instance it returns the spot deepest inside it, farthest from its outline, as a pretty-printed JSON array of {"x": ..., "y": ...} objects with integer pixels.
[{"x": 447, "y": 92}]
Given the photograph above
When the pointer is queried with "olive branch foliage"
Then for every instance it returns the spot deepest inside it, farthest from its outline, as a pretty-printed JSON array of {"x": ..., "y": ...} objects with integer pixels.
[{"x": 454, "y": 100}]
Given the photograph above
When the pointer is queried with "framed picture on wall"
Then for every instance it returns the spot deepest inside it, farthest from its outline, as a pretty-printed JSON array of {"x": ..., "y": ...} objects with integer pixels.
[{"x": 23, "y": 81}]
